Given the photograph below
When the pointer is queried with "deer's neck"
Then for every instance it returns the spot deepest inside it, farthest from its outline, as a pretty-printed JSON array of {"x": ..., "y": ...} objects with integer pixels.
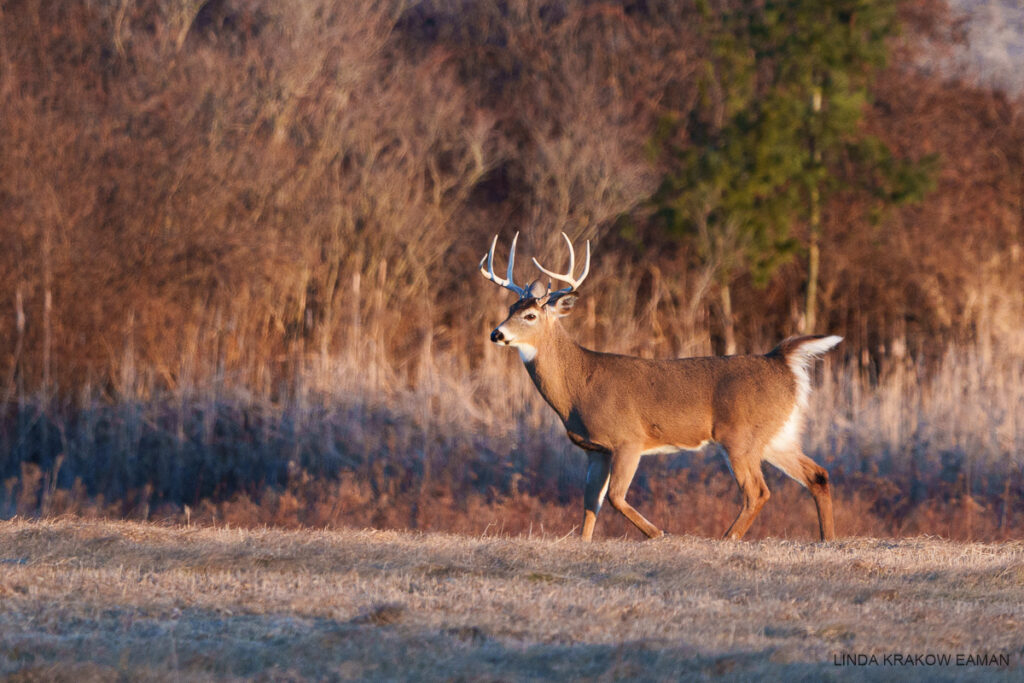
[{"x": 557, "y": 368}]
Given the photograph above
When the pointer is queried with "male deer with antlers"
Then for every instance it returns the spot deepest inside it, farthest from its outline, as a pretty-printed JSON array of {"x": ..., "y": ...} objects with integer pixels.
[{"x": 619, "y": 408}]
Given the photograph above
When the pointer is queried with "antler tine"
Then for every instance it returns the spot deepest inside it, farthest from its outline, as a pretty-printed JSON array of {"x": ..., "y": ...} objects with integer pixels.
[
  {"x": 568, "y": 277},
  {"x": 586, "y": 267},
  {"x": 512, "y": 259},
  {"x": 572, "y": 255},
  {"x": 488, "y": 273},
  {"x": 490, "y": 263}
]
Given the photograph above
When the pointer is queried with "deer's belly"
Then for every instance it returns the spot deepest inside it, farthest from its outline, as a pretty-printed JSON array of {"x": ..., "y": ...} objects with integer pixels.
[
  {"x": 674, "y": 448},
  {"x": 586, "y": 443}
]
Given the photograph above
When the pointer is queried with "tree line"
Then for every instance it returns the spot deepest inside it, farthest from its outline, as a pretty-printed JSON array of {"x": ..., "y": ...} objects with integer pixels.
[{"x": 210, "y": 187}]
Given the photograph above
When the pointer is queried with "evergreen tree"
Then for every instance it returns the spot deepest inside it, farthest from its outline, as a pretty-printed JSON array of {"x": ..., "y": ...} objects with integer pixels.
[{"x": 785, "y": 84}]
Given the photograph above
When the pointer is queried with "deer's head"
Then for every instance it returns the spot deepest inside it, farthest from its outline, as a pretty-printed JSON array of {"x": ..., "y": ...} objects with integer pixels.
[{"x": 533, "y": 316}]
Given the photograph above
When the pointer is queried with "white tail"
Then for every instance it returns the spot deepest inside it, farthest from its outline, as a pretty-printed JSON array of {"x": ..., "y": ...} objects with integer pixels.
[{"x": 620, "y": 408}]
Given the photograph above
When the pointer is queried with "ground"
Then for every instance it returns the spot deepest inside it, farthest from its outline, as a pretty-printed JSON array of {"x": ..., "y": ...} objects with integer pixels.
[{"x": 96, "y": 600}]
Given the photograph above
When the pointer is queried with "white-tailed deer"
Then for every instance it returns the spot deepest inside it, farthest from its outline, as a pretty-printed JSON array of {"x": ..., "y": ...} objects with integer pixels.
[{"x": 619, "y": 408}]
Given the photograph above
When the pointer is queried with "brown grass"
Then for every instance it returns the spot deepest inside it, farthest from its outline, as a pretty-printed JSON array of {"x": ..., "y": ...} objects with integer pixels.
[{"x": 100, "y": 600}]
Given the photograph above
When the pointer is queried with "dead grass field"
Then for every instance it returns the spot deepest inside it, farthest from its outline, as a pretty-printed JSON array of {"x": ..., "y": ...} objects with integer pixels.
[{"x": 98, "y": 600}]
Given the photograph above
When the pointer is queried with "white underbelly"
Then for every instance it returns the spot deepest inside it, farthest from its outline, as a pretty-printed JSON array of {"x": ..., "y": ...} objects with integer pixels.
[{"x": 674, "y": 448}]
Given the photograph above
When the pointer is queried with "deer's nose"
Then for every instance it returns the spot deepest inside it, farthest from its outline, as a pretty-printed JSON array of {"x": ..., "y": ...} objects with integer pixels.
[{"x": 497, "y": 335}]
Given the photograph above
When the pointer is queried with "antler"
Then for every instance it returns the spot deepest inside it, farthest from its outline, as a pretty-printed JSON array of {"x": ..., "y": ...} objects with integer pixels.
[
  {"x": 568, "y": 277},
  {"x": 489, "y": 272}
]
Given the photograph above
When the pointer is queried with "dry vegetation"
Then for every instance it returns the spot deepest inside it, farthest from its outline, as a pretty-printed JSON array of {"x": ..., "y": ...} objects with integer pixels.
[
  {"x": 95, "y": 601},
  {"x": 237, "y": 277}
]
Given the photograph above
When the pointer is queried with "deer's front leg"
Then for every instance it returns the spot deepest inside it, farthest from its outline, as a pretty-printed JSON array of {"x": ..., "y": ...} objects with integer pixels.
[
  {"x": 596, "y": 488},
  {"x": 623, "y": 466}
]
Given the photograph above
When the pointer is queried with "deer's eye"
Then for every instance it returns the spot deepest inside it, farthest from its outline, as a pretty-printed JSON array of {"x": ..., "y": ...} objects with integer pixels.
[{"x": 530, "y": 316}]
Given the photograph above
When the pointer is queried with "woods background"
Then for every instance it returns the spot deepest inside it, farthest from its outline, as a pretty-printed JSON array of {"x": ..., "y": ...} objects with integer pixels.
[{"x": 239, "y": 245}]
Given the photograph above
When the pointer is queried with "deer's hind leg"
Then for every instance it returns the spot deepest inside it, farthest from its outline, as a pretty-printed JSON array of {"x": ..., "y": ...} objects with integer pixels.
[
  {"x": 746, "y": 469},
  {"x": 814, "y": 478}
]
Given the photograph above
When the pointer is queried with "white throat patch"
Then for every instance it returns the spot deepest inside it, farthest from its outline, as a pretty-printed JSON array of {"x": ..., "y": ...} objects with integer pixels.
[{"x": 526, "y": 351}]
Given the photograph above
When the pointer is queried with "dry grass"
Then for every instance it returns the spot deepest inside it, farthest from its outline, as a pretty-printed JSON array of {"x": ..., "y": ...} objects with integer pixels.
[
  {"x": 910, "y": 452},
  {"x": 102, "y": 600}
]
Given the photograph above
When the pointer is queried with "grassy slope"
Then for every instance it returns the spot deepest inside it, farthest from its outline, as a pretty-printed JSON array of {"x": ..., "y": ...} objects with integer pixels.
[{"x": 81, "y": 600}]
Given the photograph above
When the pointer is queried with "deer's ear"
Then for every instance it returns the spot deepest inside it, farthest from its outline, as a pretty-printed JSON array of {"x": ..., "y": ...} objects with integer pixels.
[
  {"x": 536, "y": 289},
  {"x": 562, "y": 305}
]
